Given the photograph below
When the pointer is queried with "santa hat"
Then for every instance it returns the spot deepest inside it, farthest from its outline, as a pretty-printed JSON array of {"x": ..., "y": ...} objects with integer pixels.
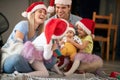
[
  {"x": 52, "y": 2},
  {"x": 51, "y": 7},
  {"x": 71, "y": 27},
  {"x": 64, "y": 2},
  {"x": 87, "y": 25},
  {"x": 33, "y": 7},
  {"x": 55, "y": 29}
]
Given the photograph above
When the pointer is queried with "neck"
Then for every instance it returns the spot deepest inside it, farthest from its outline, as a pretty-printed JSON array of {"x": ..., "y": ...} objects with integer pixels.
[
  {"x": 36, "y": 26},
  {"x": 66, "y": 17}
]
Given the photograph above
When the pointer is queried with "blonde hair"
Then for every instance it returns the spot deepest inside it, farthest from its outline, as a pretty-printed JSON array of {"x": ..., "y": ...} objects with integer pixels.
[{"x": 31, "y": 30}]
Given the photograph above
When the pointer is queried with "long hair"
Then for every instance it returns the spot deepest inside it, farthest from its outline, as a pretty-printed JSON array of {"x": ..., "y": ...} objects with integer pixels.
[{"x": 31, "y": 23}]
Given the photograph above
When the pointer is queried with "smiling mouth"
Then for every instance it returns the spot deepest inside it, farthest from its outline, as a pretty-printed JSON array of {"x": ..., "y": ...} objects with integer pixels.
[
  {"x": 41, "y": 18},
  {"x": 61, "y": 15}
]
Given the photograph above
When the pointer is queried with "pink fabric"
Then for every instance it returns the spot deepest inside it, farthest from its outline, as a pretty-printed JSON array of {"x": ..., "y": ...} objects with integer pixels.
[
  {"x": 29, "y": 52},
  {"x": 87, "y": 58}
]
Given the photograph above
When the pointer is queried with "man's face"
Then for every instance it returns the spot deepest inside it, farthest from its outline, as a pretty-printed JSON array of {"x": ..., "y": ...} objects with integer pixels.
[{"x": 62, "y": 11}]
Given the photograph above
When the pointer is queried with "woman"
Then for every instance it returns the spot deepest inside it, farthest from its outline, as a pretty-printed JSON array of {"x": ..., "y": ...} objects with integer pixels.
[{"x": 25, "y": 30}]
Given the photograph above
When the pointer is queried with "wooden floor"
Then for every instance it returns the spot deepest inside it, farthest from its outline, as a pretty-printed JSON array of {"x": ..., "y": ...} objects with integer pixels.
[
  {"x": 111, "y": 66},
  {"x": 108, "y": 67}
]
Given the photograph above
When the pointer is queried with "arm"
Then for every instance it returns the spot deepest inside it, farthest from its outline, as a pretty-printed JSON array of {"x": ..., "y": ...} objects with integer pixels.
[
  {"x": 79, "y": 46},
  {"x": 19, "y": 35},
  {"x": 21, "y": 30},
  {"x": 47, "y": 52},
  {"x": 77, "y": 39}
]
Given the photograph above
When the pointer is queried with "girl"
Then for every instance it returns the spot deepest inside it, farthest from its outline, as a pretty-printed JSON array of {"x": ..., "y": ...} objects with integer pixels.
[
  {"x": 84, "y": 60},
  {"x": 41, "y": 49}
]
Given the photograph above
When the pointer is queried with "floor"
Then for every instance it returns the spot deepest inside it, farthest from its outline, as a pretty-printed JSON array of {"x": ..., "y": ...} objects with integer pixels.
[
  {"x": 111, "y": 66},
  {"x": 108, "y": 67}
]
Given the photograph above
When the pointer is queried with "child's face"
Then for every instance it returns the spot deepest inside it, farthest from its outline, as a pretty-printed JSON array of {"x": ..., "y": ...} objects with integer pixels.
[
  {"x": 80, "y": 31},
  {"x": 70, "y": 33}
]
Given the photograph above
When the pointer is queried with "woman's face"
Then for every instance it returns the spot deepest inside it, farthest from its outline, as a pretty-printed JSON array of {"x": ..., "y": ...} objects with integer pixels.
[
  {"x": 40, "y": 16},
  {"x": 62, "y": 11}
]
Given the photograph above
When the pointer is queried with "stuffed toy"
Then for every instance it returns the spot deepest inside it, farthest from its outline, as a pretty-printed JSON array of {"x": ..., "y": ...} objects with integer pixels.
[
  {"x": 41, "y": 47},
  {"x": 70, "y": 50}
]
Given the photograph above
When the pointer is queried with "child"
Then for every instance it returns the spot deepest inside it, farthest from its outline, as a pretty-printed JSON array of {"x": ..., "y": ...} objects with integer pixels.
[
  {"x": 67, "y": 49},
  {"x": 84, "y": 60},
  {"x": 41, "y": 49}
]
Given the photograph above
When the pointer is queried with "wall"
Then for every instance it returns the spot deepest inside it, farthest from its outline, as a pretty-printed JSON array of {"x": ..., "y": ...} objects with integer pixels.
[
  {"x": 12, "y": 10},
  {"x": 118, "y": 22},
  {"x": 113, "y": 6}
]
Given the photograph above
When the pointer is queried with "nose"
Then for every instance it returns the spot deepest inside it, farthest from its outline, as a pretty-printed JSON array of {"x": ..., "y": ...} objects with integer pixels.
[{"x": 60, "y": 10}]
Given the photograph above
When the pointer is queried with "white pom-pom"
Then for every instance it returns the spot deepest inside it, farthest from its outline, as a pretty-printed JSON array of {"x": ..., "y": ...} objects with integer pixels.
[
  {"x": 93, "y": 36},
  {"x": 50, "y": 9},
  {"x": 24, "y": 14}
]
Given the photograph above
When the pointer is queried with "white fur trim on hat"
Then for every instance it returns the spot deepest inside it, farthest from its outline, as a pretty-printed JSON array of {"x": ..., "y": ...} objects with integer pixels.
[
  {"x": 72, "y": 29},
  {"x": 83, "y": 27},
  {"x": 65, "y": 2},
  {"x": 56, "y": 37},
  {"x": 24, "y": 14},
  {"x": 50, "y": 9},
  {"x": 39, "y": 7},
  {"x": 27, "y": 14}
]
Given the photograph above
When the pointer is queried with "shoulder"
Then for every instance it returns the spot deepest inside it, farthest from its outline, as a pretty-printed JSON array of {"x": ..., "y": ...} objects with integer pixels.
[
  {"x": 22, "y": 26},
  {"x": 89, "y": 38},
  {"x": 23, "y": 22},
  {"x": 74, "y": 18}
]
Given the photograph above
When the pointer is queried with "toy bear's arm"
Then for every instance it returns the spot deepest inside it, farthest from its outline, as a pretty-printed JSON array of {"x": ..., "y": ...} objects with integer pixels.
[{"x": 77, "y": 39}]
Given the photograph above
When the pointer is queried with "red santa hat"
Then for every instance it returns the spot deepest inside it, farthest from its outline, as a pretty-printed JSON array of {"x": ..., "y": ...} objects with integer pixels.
[
  {"x": 87, "y": 25},
  {"x": 55, "y": 29},
  {"x": 71, "y": 27},
  {"x": 52, "y": 2},
  {"x": 51, "y": 7},
  {"x": 33, "y": 7}
]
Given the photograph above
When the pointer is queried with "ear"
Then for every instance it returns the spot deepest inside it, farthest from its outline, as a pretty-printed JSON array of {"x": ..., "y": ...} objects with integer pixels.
[{"x": 69, "y": 6}]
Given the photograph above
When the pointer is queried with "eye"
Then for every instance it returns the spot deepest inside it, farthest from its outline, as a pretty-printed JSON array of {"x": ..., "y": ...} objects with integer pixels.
[{"x": 42, "y": 11}]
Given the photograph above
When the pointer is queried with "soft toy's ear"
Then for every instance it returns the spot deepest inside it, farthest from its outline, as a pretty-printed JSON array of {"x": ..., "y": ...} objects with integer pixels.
[{"x": 77, "y": 39}]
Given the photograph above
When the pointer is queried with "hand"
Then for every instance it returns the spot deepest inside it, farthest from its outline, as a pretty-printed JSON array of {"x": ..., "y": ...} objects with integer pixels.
[
  {"x": 54, "y": 46},
  {"x": 70, "y": 40},
  {"x": 61, "y": 42}
]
